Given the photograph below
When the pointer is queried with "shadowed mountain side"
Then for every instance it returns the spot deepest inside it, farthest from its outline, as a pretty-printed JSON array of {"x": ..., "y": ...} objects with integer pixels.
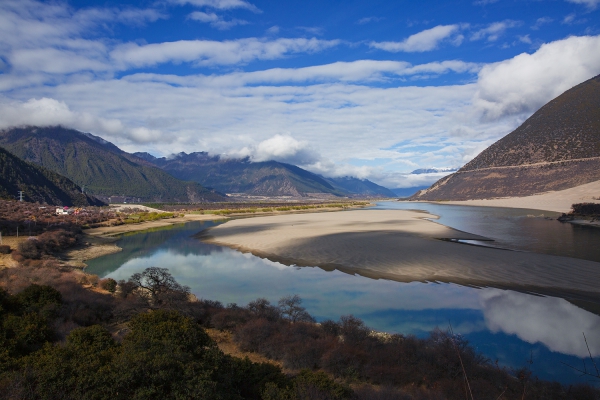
[
  {"x": 39, "y": 184},
  {"x": 409, "y": 252},
  {"x": 99, "y": 165},
  {"x": 512, "y": 181},
  {"x": 557, "y": 148}
]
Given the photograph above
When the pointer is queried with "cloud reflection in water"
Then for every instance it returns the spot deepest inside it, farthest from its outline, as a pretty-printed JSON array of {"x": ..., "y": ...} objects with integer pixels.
[{"x": 552, "y": 321}]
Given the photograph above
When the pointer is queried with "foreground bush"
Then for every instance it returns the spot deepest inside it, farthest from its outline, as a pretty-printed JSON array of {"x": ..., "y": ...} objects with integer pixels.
[{"x": 55, "y": 343}]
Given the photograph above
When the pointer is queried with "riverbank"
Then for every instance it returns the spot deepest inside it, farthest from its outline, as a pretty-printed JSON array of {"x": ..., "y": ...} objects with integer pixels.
[
  {"x": 402, "y": 246},
  {"x": 98, "y": 242},
  {"x": 558, "y": 201}
]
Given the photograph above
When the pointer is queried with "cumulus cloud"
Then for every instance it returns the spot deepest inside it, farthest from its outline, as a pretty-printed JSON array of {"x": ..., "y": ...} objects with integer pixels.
[
  {"x": 492, "y": 32},
  {"x": 546, "y": 320},
  {"x": 219, "y": 4},
  {"x": 283, "y": 148},
  {"x": 591, "y": 4},
  {"x": 426, "y": 40},
  {"x": 216, "y": 21},
  {"x": 209, "y": 52},
  {"x": 526, "y": 82}
]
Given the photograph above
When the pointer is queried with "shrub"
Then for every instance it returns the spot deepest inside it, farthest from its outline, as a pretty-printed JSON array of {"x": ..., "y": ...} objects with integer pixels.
[
  {"x": 309, "y": 385},
  {"x": 108, "y": 284},
  {"x": 30, "y": 249},
  {"x": 586, "y": 209}
]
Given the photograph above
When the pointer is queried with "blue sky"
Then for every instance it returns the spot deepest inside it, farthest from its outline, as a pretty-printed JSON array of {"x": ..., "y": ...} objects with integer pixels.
[{"x": 373, "y": 89}]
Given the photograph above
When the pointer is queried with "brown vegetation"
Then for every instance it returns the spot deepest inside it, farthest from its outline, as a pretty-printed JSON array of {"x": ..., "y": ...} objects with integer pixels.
[{"x": 375, "y": 365}]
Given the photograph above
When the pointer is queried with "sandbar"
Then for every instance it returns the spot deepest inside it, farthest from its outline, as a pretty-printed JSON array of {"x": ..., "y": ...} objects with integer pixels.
[{"x": 404, "y": 246}]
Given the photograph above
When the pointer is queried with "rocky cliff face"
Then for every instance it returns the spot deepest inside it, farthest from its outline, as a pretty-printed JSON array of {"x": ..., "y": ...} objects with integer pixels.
[{"x": 557, "y": 148}]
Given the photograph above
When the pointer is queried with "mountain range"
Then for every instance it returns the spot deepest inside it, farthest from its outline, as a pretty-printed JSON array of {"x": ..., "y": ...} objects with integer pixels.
[
  {"x": 104, "y": 170},
  {"x": 39, "y": 184},
  {"x": 557, "y": 148},
  {"x": 99, "y": 166},
  {"x": 266, "y": 178}
]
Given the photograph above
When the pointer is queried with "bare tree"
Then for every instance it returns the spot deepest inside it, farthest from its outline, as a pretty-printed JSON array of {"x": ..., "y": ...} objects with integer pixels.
[
  {"x": 158, "y": 287},
  {"x": 292, "y": 310}
]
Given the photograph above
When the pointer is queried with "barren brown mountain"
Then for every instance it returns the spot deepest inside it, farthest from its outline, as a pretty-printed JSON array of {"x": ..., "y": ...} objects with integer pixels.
[{"x": 557, "y": 148}]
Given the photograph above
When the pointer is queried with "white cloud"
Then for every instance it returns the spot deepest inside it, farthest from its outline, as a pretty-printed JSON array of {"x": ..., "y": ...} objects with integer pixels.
[
  {"x": 493, "y": 31},
  {"x": 216, "y": 21},
  {"x": 591, "y": 4},
  {"x": 540, "y": 22},
  {"x": 525, "y": 39},
  {"x": 366, "y": 20},
  {"x": 50, "y": 112},
  {"x": 219, "y": 4},
  {"x": 355, "y": 71},
  {"x": 426, "y": 40},
  {"x": 526, "y": 82},
  {"x": 283, "y": 148},
  {"x": 274, "y": 30},
  {"x": 569, "y": 18},
  {"x": 209, "y": 52},
  {"x": 56, "y": 61}
]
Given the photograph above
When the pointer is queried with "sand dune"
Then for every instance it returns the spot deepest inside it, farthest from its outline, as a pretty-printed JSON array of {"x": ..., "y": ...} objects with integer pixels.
[
  {"x": 403, "y": 246},
  {"x": 559, "y": 201}
]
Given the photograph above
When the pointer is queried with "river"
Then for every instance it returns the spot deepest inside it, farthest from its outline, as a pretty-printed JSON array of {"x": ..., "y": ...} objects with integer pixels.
[{"x": 514, "y": 328}]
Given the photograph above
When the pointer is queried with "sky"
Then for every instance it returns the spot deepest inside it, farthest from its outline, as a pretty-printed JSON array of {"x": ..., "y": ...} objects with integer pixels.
[{"x": 372, "y": 89}]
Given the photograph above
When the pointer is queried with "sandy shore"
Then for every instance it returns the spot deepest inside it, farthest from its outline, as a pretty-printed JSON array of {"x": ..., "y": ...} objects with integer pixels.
[
  {"x": 559, "y": 201},
  {"x": 403, "y": 246},
  {"x": 107, "y": 231}
]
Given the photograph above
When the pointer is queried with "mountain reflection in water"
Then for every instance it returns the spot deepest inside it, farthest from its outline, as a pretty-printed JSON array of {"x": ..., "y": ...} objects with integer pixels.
[{"x": 504, "y": 325}]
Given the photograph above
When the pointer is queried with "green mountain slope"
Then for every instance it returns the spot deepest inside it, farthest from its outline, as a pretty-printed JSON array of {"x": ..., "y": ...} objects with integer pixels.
[
  {"x": 557, "y": 148},
  {"x": 39, "y": 184},
  {"x": 267, "y": 178},
  {"x": 100, "y": 166}
]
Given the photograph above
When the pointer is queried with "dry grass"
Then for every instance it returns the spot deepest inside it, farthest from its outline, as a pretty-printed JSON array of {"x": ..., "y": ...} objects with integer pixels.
[
  {"x": 226, "y": 344},
  {"x": 6, "y": 260}
]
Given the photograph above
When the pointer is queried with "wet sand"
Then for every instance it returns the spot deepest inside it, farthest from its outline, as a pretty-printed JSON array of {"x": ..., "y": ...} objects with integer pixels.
[{"x": 403, "y": 246}]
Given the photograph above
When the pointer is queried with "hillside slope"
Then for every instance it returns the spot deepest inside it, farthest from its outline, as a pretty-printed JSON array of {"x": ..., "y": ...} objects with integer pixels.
[
  {"x": 557, "y": 148},
  {"x": 267, "y": 178},
  {"x": 98, "y": 165},
  {"x": 362, "y": 187},
  {"x": 39, "y": 184}
]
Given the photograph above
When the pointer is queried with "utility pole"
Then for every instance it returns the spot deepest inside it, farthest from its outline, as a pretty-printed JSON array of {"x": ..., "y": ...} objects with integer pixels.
[{"x": 20, "y": 195}]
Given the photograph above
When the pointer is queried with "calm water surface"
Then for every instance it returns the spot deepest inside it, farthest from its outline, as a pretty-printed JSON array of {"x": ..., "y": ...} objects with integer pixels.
[{"x": 504, "y": 325}]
